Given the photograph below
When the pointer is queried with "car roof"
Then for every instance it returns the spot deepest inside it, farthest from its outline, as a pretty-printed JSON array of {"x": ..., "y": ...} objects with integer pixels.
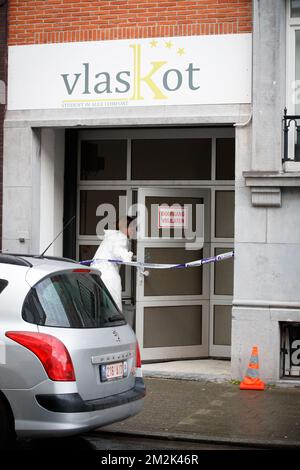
[
  {"x": 31, "y": 260},
  {"x": 36, "y": 267}
]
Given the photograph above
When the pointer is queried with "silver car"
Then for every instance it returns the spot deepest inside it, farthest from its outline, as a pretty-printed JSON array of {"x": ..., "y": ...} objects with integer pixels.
[{"x": 68, "y": 361}]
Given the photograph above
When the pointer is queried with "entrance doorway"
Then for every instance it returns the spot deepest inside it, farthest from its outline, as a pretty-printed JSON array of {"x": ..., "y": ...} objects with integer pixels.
[
  {"x": 182, "y": 313},
  {"x": 172, "y": 306}
]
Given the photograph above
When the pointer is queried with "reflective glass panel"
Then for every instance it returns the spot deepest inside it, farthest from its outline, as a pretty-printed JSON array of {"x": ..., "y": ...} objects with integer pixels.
[
  {"x": 222, "y": 325},
  {"x": 297, "y": 71},
  {"x": 224, "y": 215},
  {"x": 225, "y": 159},
  {"x": 107, "y": 204},
  {"x": 171, "y": 159},
  {"x": 223, "y": 274},
  {"x": 103, "y": 160},
  {"x": 295, "y": 8},
  {"x": 174, "y": 281},
  {"x": 172, "y": 326}
]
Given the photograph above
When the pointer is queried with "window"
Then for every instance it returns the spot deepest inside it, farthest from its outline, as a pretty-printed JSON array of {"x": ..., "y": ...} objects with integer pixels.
[
  {"x": 3, "y": 284},
  {"x": 293, "y": 76},
  {"x": 293, "y": 57},
  {"x": 223, "y": 284},
  {"x": 103, "y": 160},
  {"x": 172, "y": 326},
  {"x": 71, "y": 300},
  {"x": 222, "y": 325},
  {"x": 175, "y": 159},
  {"x": 224, "y": 214},
  {"x": 90, "y": 203},
  {"x": 225, "y": 159},
  {"x": 290, "y": 349},
  {"x": 297, "y": 67},
  {"x": 178, "y": 281},
  {"x": 295, "y": 8}
]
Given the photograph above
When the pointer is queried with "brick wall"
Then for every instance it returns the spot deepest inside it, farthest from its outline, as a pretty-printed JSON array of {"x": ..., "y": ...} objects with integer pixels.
[
  {"x": 48, "y": 21},
  {"x": 3, "y": 74}
]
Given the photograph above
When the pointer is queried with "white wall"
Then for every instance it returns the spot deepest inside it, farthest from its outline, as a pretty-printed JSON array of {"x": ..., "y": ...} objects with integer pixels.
[
  {"x": 51, "y": 190},
  {"x": 21, "y": 148},
  {"x": 33, "y": 182}
]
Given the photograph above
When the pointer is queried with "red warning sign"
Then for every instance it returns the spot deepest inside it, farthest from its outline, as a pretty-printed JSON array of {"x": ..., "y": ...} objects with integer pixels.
[{"x": 172, "y": 217}]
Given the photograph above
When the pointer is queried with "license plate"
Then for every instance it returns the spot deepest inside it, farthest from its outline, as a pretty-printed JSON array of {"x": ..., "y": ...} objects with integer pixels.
[{"x": 115, "y": 371}]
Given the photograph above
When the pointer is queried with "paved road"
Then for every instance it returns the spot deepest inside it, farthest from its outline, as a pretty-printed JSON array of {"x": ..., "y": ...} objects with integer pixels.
[
  {"x": 217, "y": 412},
  {"x": 181, "y": 414}
]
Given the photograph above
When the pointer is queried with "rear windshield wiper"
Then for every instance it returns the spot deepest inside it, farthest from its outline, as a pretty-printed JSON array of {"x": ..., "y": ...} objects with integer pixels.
[{"x": 115, "y": 318}]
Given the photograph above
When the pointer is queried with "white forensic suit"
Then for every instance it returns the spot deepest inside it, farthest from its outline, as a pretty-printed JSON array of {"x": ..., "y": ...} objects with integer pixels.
[{"x": 113, "y": 246}]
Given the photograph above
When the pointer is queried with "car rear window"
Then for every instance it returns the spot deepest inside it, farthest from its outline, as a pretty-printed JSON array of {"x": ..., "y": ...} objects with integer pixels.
[{"x": 71, "y": 300}]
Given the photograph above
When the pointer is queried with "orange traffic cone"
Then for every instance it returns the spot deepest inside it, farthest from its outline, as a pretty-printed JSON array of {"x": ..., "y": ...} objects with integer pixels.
[{"x": 251, "y": 380}]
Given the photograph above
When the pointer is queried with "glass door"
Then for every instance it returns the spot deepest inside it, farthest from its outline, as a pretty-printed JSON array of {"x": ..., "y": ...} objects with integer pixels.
[
  {"x": 172, "y": 305},
  {"x": 99, "y": 209}
]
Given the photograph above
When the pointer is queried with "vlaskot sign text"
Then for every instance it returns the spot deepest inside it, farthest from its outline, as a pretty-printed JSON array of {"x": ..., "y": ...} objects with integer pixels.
[{"x": 141, "y": 72}]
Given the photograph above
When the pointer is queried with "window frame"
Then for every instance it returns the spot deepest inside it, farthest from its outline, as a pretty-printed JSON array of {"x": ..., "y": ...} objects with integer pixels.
[{"x": 292, "y": 25}]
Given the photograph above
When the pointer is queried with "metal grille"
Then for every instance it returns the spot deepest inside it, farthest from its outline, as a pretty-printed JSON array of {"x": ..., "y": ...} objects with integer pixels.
[{"x": 290, "y": 350}]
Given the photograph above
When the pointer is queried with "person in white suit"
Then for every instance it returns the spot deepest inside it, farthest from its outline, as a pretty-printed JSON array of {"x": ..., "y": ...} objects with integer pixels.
[{"x": 114, "y": 246}]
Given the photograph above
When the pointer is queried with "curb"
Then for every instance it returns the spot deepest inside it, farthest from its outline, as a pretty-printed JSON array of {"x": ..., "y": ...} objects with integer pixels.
[
  {"x": 184, "y": 376},
  {"x": 213, "y": 378},
  {"x": 201, "y": 439}
]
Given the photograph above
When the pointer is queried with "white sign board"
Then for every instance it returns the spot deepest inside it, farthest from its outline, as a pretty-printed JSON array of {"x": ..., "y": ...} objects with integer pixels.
[
  {"x": 172, "y": 217},
  {"x": 139, "y": 72}
]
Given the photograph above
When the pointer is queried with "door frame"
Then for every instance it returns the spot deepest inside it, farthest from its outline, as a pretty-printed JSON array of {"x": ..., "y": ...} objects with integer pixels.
[
  {"x": 133, "y": 185},
  {"x": 217, "y": 350},
  {"x": 142, "y": 301}
]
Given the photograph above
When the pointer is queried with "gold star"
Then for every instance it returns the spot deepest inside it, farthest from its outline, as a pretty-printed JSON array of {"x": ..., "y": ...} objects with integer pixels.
[
  {"x": 154, "y": 43},
  {"x": 180, "y": 51},
  {"x": 168, "y": 44}
]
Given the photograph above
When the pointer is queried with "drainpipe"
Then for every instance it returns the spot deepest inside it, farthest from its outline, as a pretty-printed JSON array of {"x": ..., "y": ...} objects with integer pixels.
[{"x": 3, "y": 90}]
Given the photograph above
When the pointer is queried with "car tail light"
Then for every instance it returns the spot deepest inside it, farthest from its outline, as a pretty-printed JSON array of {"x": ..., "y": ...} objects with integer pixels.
[
  {"x": 138, "y": 362},
  {"x": 51, "y": 352}
]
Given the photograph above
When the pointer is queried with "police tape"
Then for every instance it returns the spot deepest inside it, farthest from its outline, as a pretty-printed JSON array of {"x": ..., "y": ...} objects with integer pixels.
[{"x": 142, "y": 265}]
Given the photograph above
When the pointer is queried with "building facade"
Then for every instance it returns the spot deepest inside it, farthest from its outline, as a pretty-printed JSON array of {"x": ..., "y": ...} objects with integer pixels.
[{"x": 136, "y": 107}]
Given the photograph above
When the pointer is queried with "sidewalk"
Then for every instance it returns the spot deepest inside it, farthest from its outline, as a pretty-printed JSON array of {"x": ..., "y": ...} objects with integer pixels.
[
  {"x": 202, "y": 369},
  {"x": 202, "y": 411}
]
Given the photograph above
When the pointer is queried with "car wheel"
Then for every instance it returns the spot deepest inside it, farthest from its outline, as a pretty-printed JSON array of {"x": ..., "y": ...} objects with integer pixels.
[{"x": 7, "y": 432}]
